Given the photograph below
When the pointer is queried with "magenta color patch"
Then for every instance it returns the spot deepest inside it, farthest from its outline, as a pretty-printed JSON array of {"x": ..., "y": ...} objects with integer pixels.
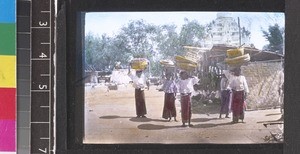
[{"x": 8, "y": 135}]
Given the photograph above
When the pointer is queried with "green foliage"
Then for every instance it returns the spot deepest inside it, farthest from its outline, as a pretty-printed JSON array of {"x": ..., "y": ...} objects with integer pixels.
[
  {"x": 191, "y": 33},
  {"x": 275, "y": 37},
  {"x": 141, "y": 39}
]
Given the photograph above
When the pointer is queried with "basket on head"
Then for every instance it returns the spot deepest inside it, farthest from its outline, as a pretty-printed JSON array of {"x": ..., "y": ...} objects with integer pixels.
[
  {"x": 238, "y": 60},
  {"x": 139, "y": 63},
  {"x": 186, "y": 66},
  {"x": 167, "y": 63},
  {"x": 181, "y": 59},
  {"x": 231, "y": 53}
]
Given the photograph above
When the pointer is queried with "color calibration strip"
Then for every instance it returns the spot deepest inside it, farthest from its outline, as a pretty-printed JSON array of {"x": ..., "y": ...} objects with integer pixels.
[{"x": 8, "y": 76}]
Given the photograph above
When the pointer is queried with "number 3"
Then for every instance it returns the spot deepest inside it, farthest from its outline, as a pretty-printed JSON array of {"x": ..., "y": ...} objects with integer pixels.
[{"x": 43, "y": 24}]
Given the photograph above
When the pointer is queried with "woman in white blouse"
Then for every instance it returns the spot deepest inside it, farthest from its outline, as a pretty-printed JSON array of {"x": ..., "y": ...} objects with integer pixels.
[
  {"x": 239, "y": 87},
  {"x": 185, "y": 86},
  {"x": 139, "y": 83}
]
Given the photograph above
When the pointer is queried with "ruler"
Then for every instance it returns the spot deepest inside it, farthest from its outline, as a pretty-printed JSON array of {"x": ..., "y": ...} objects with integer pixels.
[{"x": 41, "y": 88}]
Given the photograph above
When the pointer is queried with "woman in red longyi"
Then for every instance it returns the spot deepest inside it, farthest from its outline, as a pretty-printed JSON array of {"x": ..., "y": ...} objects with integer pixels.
[{"x": 239, "y": 87}]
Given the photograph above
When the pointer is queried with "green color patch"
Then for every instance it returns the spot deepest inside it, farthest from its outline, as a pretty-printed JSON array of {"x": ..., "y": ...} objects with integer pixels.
[{"x": 7, "y": 39}]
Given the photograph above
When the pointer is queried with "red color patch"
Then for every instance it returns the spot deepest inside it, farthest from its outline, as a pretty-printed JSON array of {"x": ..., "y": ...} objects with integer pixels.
[{"x": 8, "y": 103}]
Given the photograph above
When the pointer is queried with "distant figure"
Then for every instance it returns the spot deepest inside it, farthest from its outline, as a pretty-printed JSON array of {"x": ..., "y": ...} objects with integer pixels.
[
  {"x": 148, "y": 84},
  {"x": 239, "y": 87},
  {"x": 170, "y": 89},
  {"x": 185, "y": 85},
  {"x": 139, "y": 83},
  {"x": 225, "y": 97},
  {"x": 281, "y": 91},
  {"x": 94, "y": 79}
]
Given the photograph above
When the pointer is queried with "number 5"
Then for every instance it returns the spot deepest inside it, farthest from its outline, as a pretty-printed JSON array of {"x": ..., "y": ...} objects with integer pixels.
[{"x": 41, "y": 87}]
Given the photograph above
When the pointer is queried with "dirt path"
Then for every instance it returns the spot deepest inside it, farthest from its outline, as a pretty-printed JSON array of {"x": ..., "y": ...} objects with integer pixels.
[{"x": 110, "y": 118}]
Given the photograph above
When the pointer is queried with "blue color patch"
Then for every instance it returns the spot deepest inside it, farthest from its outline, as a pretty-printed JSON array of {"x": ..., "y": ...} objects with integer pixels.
[{"x": 7, "y": 11}]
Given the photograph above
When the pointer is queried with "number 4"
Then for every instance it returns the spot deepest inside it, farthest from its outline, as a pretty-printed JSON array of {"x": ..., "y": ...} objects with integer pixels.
[{"x": 43, "y": 55}]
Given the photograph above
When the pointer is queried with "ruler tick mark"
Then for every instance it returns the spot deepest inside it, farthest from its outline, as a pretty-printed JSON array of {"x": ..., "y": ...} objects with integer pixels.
[
  {"x": 36, "y": 122},
  {"x": 23, "y": 48},
  {"x": 40, "y": 58},
  {"x": 45, "y": 74},
  {"x": 44, "y": 106},
  {"x": 45, "y": 43},
  {"x": 45, "y": 12},
  {"x": 40, "y": 90},
  {"x": 24, "y": 33}
]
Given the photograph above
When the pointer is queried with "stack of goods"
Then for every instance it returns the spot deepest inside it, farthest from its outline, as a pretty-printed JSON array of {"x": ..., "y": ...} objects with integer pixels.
[
  {"x": 167, "y": 63},
  {"x": 185, "y": 64},
  {"x": 139, "y": 64},
  {"x": 236, "y": 57}
]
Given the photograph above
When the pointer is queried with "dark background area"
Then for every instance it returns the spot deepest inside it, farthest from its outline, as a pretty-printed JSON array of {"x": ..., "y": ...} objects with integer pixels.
[{"x": 69, "y": 95}]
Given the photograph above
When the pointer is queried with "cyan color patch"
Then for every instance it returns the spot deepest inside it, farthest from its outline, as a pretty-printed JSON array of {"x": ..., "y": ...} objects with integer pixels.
[{"x": 7, "y": 11}]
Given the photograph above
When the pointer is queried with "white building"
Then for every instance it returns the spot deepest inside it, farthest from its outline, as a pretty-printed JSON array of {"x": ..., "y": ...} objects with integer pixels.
[{"x": 225, "y": 30}]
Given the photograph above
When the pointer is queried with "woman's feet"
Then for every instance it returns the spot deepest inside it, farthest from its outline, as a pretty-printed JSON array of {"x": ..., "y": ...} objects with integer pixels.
[
  {"x": 227, "y": 116},
  {"x": 169, "y": 119},
  {"x": 190, "y": 125},
  {"x": 143, "y": 116}
]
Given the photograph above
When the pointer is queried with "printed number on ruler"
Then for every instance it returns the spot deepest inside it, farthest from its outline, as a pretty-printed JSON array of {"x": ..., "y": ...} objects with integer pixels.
[{"x": 41, "y": 76}]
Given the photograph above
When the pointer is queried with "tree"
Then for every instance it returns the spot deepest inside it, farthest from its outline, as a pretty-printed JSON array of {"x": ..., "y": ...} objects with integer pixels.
[
  {"x": 139, "y": 37},
  {"x": 275, "y": 37},
  {"x": 192, "y": 33},
  {"x": 168, "y": 42}
]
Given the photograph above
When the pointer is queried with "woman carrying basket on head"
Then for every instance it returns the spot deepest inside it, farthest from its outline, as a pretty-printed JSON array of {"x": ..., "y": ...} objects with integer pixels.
[
  {"x": 186, "y": 87},
  {"x": 239, "y": 87},
  {"x": 170, "y": 89}
]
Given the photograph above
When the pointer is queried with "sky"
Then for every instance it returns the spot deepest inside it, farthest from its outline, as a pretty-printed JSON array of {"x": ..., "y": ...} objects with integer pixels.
[{"x": 110, "y": 23}]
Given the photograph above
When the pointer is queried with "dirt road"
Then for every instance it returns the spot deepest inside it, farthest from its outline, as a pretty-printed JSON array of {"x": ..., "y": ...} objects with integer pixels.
[{"x": 110, "y": 119}]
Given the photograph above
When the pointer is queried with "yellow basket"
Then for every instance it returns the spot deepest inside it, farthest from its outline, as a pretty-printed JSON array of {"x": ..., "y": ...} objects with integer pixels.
[
  {"x": 231, "y": 53},
  {"x": 186, "y": 66},
  {"x": 181, "y": 59},
  {"x": 238, "y": 60},
  {"x": 139, "y": 64},
  {"x": 167, "y": 63}
]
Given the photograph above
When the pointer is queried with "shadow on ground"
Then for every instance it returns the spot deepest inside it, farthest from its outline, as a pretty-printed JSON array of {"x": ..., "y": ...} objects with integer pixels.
[
  {"x": 159, "y": 127},
  {"x": 203, "y": 119},
  {"x": 133, "y": 119}
]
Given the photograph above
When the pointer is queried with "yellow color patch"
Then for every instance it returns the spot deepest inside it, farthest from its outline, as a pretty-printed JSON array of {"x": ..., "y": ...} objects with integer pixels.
[{"x": 8, "y": 71}]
